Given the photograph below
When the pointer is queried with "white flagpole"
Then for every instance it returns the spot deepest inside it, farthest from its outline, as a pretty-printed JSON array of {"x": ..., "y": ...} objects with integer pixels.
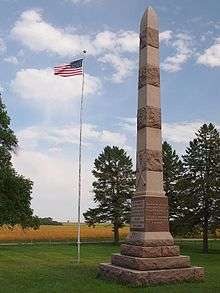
[{"x": 80, "y": 162}]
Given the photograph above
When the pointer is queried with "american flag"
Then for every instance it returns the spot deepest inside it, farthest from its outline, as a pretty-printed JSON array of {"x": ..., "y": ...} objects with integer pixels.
[{"x": 71, "y": 69}]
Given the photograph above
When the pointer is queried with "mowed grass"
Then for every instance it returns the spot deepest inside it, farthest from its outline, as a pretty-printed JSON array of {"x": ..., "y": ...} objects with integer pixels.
[
  {"x": 67, "y": 232},
  {"x": 53, "y": 268}
]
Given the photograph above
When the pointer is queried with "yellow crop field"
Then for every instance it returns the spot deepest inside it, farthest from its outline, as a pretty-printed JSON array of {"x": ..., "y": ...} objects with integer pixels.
[{"x": 59, "y": 233}]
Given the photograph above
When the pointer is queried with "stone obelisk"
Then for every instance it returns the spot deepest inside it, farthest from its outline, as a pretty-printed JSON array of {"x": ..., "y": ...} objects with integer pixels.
[
  {"x": 149, "y": 255},
  {"x": 149, "y": 216}
]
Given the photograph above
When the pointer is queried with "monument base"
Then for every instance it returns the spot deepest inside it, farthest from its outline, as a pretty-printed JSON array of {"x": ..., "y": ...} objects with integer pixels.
[
  {"x": 145, "y": 265},
  {"x": 141, "y": 278}
]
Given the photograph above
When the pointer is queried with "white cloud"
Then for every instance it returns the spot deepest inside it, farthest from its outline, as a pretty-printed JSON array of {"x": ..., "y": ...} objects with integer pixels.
[
  {"x": 113, "y": 138},
  {"x": 56, "y": 137},
  {"x": 55, "y": 191},
  {"x": 128, "y": 124},
  {"x": 123, "y": 41},
  {"x": 211, "y": 56},
  {"x": 166, "y": 36},
  {"x": 123, "y": 66},
  {"x": 38, "y": 35},
  {"x": 115, "y": 42},
  {"x": 181, "y": 132},
  {"x": 127, "y": 41},
  {"x": 54, "y": 171},
  {"x": 182, "y": 45},
  {"x": 105, "y": 41},
  {"x": 11, "y": 59},
  {"x": 42, "y": 86}
]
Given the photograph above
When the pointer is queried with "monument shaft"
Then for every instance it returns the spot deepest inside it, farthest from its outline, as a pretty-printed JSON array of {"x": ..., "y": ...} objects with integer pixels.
[{"x": 149, "y": 216}]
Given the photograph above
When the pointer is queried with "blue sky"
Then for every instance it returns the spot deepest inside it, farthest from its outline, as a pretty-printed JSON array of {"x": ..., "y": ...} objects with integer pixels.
[{"x": 37, "y": 35}]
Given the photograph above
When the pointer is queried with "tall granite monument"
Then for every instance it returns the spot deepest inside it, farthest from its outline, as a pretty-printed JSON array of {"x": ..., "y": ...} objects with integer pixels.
[{"x": 149, "y": 255}]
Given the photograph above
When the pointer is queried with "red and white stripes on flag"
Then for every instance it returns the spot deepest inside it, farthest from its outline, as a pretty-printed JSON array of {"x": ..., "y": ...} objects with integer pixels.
[{"x": 71, "y": 69}]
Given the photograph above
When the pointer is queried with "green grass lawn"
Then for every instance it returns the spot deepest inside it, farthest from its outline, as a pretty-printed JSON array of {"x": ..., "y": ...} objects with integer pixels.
[{"x": 53, "y": 268}]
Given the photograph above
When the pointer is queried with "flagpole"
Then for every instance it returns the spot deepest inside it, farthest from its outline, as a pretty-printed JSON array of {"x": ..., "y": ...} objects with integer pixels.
[{"x": 80, "y": 161}]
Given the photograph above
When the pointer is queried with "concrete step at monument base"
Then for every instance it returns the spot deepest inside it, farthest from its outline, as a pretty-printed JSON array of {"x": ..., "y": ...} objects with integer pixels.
[
  {"x": 140, "y": 278},
  {"x": 150, "y": 263},
  {"x": 154, "y": 251}
]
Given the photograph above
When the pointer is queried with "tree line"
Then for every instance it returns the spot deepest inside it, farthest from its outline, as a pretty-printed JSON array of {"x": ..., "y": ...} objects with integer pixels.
[{"x": 192, "y": 184}]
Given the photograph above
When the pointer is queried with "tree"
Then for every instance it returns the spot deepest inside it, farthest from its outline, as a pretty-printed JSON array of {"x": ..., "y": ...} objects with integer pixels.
[
  {"x": 15, "y": 190},
  {"x": 113, "y": 188},
  {"x": 49, "y": 221},
  {"x": 201, "y": 181},
  {"x": 172, "y": 172}
]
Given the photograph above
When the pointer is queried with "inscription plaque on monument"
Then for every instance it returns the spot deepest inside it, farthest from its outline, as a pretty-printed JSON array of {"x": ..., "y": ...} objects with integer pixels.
[
  {"x": 157, "y": 214},
  {"x": 149, "y": 214},
  {"x": 137, "y": 214}
]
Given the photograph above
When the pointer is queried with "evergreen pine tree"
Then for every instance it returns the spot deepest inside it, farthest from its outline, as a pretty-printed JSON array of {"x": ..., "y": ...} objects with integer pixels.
[
  {"x": 172, "y": 172},
  {"x": 201, "y": 181},
  {"x": 113, "y": 189}
]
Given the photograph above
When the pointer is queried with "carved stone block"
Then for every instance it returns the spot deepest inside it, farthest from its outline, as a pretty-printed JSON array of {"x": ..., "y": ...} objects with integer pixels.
[
  {"x": 154, "y": 160},
  {"x": 149, "y": 37},
  {"x": 140, "y": 184},
  {"x": 150, "y": 160},
  {"x": 142, "y": 160},
  {"x": 141, "y": 118},
  {"x": 149, "y": 75},
  {"x": 149, "y": 116},
  {"x": 153, "y": 117},
  {"x": 140, "y": 173}
]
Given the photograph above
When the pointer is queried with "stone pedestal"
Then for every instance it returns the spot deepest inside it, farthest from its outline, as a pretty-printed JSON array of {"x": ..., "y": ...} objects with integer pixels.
[
  {"x": 149, "y": 255},
  {"x": 145, "y": 265},
  {"x": 150, "y": 277}
]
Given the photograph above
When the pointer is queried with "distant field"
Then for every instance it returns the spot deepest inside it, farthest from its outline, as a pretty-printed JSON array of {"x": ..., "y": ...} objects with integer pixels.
[{"x": 59, "y": 233}]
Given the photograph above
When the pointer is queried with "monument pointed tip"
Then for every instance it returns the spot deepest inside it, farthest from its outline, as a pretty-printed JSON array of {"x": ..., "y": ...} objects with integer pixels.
[
  {"x": 149, "y": 11},
  {"x": 149, "y": 19},
  {"x": 150, "y": 8}
]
